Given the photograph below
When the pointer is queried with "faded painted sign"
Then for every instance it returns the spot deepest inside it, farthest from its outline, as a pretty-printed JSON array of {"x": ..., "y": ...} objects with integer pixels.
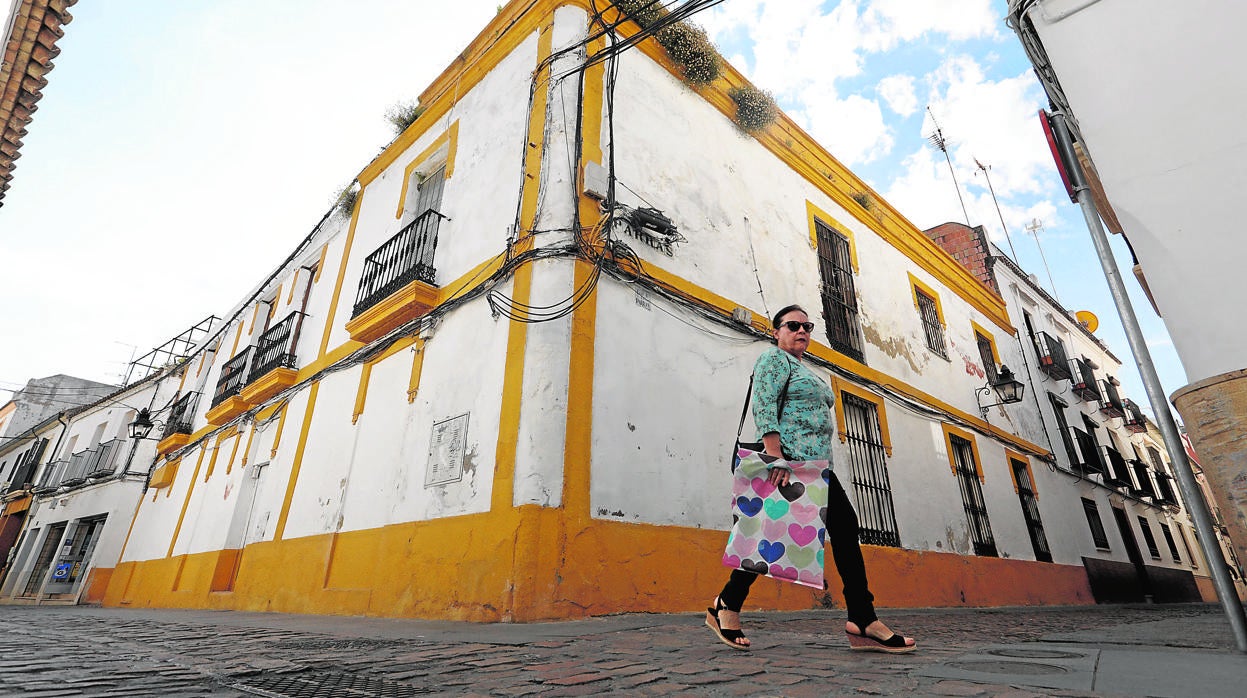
[{"x": 446, "y": 448}]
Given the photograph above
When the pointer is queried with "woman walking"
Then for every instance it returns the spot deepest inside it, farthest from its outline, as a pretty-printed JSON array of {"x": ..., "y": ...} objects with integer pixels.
[{"x": 791, "y": 408}]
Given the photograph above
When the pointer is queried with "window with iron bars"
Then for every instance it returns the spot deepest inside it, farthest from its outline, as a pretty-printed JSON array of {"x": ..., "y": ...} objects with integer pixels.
[
  {"x": 988, "y": 359},
  {"x": 1149, "y": 538},
  {"x": 1169, "y": 541},
  {"x": 972, "y": 497},
  {"x": 1095, "y": 523},
  {"x": 1030, "y": 510},
  {"x": 931, "y": 325},
  {"x": 869, "y": 470},
  {"x": 835, "y": 268}
]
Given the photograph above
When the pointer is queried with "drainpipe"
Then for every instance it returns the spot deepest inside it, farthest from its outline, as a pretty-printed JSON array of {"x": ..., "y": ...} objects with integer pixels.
[{"x": 1196, "y": 506}]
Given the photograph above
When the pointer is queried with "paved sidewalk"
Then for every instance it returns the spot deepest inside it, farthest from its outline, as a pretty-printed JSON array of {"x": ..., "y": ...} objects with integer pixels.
[{"x": 1159, "y": 650}]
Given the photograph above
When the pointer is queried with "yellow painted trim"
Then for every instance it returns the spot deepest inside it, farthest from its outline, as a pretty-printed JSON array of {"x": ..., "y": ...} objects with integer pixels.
[
  {"x": 950, "y": 431},
  {"x": 182, "y": 380},
  {"x": 813, "y": 213},
  {"x": 268, "y": 385},
  {"x": 839, "y": 387},
  {"x": 281, "y": 424},
  {"x": 1010, "y": 456},
  {"x": 320, "y": 264},
  {"x": 450, "y": 135},
  {"x": 361, "y": 393},
  {"x": 408, "y": 303},
  {"x": 129, "y": 531},
  {"x": 578, "y": 448},
  {"x": 203, "y": 358},
  {"x": 229, "y": 464},
  {"x": 190, "y": 489},
  {"x": 255, "y": 312},
  {"x": 172, "y": 442},
  {"x": 417, "y": 367},
  {"x": 916, "y": 285},
  {"x": 280, "y": 531},
  {"x": 228, "y": 409},
  {"x": 991, "y": 339},
  {"x": 337, "y": 286},
  {"x": 216, "y": 450},
  {"x": 294, "y": 281},
  {"x": 246, "y": 451},
  {"x": 683, "y": 287},
  {"x": 237, "y": 336}
]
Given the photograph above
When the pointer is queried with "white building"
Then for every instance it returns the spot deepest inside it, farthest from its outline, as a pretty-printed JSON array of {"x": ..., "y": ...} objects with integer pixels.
[
  {"x": 493, "y": 392},
  {"x": 1155, "y": 98}
]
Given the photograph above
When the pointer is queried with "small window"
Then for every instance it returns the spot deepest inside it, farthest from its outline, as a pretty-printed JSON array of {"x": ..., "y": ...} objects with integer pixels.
[
  {"x": 868, "y": 466},
  {"x": 963, "y": 457},
  {"x": 931, "y": 314},
  {"x": 1149, "y": 538},
  {"x": 987, "y": 354},
  {"x": 1173, "y": 547},
  {"x": 1190, "y": 554},
  {"x": 835, "y": 269},
  {"x": 1097, "y": 526}
]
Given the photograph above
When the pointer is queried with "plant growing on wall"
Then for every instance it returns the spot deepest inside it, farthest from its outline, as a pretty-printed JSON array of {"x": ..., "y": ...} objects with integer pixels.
[
  {"x": 402, "y": 115},
  {"x": 643, "y": 12},
  {"x": 344, "y": 199},
  {"x": 755, "y": 109},
  {"x": 864, "y": 200},
  {"x": 690, "y": 48}
]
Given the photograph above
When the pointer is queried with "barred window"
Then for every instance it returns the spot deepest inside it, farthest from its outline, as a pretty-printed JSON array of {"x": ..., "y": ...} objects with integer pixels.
[
  {"x": 835, "y": 268},
  {"x": 972, "y": 496},
  {"x": 1030, "y": 510},
  {"x": 931, "y": 325},
  {"x": 1173, "y": 547},
  {"x": 869, "y": 471},
  {"x": 1149, "y": 538},
  {"x": 1095, "y": 523},
  {"x": 985, "y": 354}
]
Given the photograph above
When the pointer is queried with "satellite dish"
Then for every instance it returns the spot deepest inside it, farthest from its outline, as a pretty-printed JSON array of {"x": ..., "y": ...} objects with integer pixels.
[{"x": 1087, "y": 319}]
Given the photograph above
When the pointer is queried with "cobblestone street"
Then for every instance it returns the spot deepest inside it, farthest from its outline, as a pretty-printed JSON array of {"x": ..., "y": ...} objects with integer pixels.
[{"x": 79, "y": 651}]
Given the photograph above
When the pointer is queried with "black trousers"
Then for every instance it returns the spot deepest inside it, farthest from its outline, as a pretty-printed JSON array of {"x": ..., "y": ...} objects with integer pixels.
[{"x": 841, "y": 525}]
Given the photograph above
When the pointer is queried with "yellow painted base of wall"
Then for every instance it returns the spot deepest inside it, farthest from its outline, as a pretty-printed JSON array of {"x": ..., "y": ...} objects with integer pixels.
[
  {"x": 525, "y": 565},
  {"x": 97, "y": 584}
]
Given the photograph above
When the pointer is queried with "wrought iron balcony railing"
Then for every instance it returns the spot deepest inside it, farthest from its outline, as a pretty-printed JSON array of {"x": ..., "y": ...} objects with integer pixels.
[
  {"x": 1084, "y": 381},
  {"x": 104, "y": 459},
  {"x": 181, "y": 416},
  {"x": 1135, "y": 423},
  {"x": 76, "y": 472},
  {"x": 406, "y": 257},
  {"x": 1091, "y": 462},
  {"x": 233, "y": 377},
  {"x": 1110, "y": 400},
  {"x": 1052, "y": 358},
  {"x": 53, "y": 474},
  {"x": 275, "y": 349}
]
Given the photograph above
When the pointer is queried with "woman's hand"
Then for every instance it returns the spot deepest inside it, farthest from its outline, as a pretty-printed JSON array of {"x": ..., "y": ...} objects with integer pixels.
[{"x": 778, "y": 476}]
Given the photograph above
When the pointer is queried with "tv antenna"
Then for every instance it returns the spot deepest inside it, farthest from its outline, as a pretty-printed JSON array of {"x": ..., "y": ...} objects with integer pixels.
[
  {"x": 984, "y": 169},
  {"x": 937, "y": 141},
  {"x": 1033, "y": 228}
]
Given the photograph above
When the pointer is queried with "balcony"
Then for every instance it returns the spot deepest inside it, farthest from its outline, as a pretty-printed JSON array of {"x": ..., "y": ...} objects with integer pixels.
[
  {"x": 1111, "y": 404},
  {"x": 179, "y": 425},
  {"x": 1091, "y": 462},
  {"x": 226, "y": 404},
  {"x": 1164, "y": 491},
  {"x": 1117, "y": 474},
  {"x": 273, "y": 368},
  {"x": 1142, "y": 474},
  {"x": 398, "y": 283},
  {"x": 76, "y": 471},
  {"x": 1052, "y": 358},
  {"x": 1135, "y": 422},
  {"x": 53, "y": 474},
  {"x": 1084, "y": 381}
]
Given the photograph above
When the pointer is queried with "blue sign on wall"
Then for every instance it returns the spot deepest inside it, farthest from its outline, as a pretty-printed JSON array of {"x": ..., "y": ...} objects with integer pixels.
[{"x": 62, "y": 571}]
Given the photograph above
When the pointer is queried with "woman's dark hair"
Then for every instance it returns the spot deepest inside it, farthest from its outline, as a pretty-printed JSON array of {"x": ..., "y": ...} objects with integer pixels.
[{"x": 784, "y": 311}]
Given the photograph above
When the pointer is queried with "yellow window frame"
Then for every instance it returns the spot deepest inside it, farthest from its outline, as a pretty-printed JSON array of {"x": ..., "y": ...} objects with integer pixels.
[
  {"x": 816, "y": 215},
  {"x": 449, "y": 136},
  {"x": 1012, "y": 455},
  {"x": 951, "y": 431},
  {"x": 916, "y": 285},
  {"x": 839, "y": 387}
]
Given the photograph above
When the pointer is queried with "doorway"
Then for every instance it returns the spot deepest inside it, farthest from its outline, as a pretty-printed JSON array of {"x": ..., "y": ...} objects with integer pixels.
[{"x": 1132, "y": 550}]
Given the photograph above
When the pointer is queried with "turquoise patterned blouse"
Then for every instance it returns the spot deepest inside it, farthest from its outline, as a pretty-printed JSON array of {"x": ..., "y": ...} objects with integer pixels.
[{"x": 804, "y": 428}]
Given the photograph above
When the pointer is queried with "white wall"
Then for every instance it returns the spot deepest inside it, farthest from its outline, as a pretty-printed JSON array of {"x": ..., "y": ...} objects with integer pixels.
[{"x": 1158, "y": 92}]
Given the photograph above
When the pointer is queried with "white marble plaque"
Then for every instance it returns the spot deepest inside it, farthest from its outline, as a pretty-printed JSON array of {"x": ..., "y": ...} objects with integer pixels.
[{"x": 446, "y": 448}]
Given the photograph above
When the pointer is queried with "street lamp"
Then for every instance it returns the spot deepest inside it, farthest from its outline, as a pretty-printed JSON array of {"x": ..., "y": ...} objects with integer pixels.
[
  {"x": 1008, "y": 388},
  {"x": 142, "y": 425}
]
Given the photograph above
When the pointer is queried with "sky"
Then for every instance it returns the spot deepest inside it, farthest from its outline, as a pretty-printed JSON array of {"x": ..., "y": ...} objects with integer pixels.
[{"x": 218, "y": 131}]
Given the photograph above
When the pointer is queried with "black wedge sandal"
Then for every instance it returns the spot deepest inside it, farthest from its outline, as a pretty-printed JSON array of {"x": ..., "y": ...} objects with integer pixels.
[
  {"x": 727, "y": 636},
  {"x": 892, "y": 645}
]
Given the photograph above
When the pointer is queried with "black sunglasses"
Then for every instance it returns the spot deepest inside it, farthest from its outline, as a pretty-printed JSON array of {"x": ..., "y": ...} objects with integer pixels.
[{"x": 793, "y": 326}]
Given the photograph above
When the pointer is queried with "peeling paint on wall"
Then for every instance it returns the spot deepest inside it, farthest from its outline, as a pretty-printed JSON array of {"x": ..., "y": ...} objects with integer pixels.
[{"x": 894, "y": 347}]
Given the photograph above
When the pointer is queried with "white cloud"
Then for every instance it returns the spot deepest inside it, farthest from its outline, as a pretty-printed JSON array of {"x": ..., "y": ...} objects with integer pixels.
[
  {"x": 898, "y": 92},
  {"x": 894, "y": 21},
  {"x": 852, "y": 128}
]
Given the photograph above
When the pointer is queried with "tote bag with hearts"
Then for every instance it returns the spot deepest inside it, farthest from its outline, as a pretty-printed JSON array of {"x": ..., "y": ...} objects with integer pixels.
[{"x": 778, "y": 531}]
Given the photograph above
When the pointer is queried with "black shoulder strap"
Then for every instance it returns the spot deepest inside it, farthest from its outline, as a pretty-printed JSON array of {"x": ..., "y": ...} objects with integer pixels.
[{"x": 779, "y": 406}]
